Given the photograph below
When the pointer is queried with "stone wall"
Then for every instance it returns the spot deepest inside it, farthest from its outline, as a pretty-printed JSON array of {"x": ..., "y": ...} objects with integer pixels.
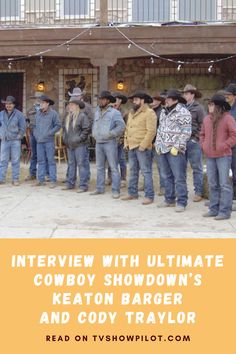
[{"x": 137, "y": 73}]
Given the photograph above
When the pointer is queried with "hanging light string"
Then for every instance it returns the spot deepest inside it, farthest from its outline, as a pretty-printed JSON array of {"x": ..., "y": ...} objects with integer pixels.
[
  {"x": 131, "y": 43},
  {"x": 178, "y": 62},
  {"x": 40, "y": 54}
]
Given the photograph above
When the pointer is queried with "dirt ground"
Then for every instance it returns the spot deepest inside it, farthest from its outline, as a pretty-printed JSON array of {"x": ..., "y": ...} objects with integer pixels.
[{"x": 40, "y": 212}]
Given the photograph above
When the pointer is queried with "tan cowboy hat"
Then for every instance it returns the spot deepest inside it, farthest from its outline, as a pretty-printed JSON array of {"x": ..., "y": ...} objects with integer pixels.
[{"x": 192, "y": 89}]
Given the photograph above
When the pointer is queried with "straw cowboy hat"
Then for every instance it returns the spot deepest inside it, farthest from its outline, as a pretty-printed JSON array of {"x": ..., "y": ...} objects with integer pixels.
[{"x": 192, "y": 89}]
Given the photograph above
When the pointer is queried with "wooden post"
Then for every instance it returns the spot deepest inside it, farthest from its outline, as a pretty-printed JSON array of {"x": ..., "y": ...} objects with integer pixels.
[{"x": 103, "y": 12}]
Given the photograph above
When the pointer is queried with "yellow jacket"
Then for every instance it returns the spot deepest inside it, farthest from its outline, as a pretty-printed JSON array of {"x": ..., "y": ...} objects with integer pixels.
[{"x": 141, "y": 128}]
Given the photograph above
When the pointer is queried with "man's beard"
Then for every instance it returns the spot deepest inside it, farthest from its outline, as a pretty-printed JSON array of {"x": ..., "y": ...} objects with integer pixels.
[
  {"x": 103, "y": 105},
  {"x": 136, "y": 107}
]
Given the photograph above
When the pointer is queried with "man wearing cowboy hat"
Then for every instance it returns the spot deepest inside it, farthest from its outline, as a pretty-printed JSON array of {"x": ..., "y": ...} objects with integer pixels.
[
  {"x": 139, "y": 134},
  {"x": 47, "y": 124},
  {"x": 157, "y": 105},
  {"x": 193, "y": 150},
  {"x": 230, "y": 96},
  {"x": 12, "y": 130},
  {"x": 108, "y": 126},
  {"x": 120, "y": 100},
  {"x": 33, "y": 143},
  {"x": 172, "y": 135}
]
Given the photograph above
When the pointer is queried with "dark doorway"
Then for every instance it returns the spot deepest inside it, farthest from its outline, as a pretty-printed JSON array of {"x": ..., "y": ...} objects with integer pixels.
[{"x": 11, "y": 84}]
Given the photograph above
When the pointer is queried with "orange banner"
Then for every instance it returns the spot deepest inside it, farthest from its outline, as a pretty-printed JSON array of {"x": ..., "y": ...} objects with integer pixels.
[{"x": 133, "y": 295}]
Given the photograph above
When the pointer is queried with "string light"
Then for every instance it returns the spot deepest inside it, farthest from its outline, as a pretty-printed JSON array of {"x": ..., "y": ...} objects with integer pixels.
[
  {"x": 10, "y": 65},
  {"x": 210, "y": 68},
  {"x": 169, "y": 59},
  {"x": 152, "y": 60},
  {"x": 67, "y": 47},
  {"x": 41, "y": 59},
  {"x": 131, "y": 43}
]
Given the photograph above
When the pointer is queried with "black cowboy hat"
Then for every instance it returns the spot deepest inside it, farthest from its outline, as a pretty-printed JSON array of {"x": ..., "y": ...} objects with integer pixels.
[
  {"x": 78, "y": 102},
  {"x": 9, "y": 99},
  {"x": 219, "y": 100},
  {"x": 142, "y": 95},
  {"x": 108, "y": 95},
  {"x": 231, "y": 89},
  {"x": 46, "y": 99},
  {"x": 177, "y": 95},
  {"x": 123, "y": 98},
  {"x": 192, "y": 89}
]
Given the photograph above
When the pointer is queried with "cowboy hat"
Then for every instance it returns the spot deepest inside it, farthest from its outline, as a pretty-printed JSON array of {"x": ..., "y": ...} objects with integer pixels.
[
  {"x": 159, "y": 96},
  {"x": 108, "y": 95},
  {"x": 123, "y": 98},
  {"x": 230, "y": 90},
  {"x": 176, "y": 94},
  {"x": 9, "y": 99},
  {"x": 192, "y": 89},
  {"x": 143, "y": 95},
  {"x": 46, "y": 99},
  {"x": 219, "y": 100},
  {"x": 78, "y": 102},
  {"x": 76, "y": 92}
]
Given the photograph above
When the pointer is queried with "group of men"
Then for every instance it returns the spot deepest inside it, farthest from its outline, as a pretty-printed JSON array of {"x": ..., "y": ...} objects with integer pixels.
[{"x": 164, "y": 128}]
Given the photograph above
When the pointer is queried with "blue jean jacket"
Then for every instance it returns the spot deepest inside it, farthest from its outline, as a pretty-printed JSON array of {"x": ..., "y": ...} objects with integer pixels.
[{"x": 12, "y": 127}]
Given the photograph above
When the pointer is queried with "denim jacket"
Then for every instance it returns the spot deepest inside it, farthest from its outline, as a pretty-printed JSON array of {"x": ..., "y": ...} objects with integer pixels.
[
  {"x": 12, "y": 128},
  {"x": 47, "y": 124},
  {"x": 107, "y": 125}
]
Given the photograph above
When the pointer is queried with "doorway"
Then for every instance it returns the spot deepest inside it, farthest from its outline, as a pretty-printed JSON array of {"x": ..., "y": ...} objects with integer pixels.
[{"x": 11, "y": 84}]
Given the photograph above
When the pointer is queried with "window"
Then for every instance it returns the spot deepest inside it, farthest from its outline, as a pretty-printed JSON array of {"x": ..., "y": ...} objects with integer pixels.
[
  {"x": 75, "y": 8},
  {"x": 197, "y": 10},
  {"x": 40, "y": 5},
  {"x": 11, "y": 9},
  {"x": 228, "y": 12},
  {"x": 150, "y": 10}
]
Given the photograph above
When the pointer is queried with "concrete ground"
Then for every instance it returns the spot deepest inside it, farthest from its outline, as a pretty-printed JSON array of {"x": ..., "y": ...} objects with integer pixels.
[{"x": 40, "y": 212}]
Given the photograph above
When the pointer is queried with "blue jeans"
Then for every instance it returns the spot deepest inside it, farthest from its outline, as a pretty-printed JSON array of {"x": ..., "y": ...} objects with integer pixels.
[
  {"x": 173, "y": 169},
  {"x": 10, "y": 150},
  {"x": 77, "y": 158},
  {"x": 156, "y": 158},
  {"x": 140, "y": 160},
  {"x": 233, "y": 168},
  {"x": 220, "y": 185},
  {"x": 87, "y": 163},
  {"x": 46, "y": 153},
  {"x": 194, "y": 156},
  {"x": 107, "y": 151},
  {"x": 121, "y": 162},
  {"x": 33, "y": 158}
]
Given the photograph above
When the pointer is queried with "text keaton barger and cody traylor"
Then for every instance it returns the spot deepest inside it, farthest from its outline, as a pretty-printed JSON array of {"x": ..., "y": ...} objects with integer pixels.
[{"x": 143, "y": 280}]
